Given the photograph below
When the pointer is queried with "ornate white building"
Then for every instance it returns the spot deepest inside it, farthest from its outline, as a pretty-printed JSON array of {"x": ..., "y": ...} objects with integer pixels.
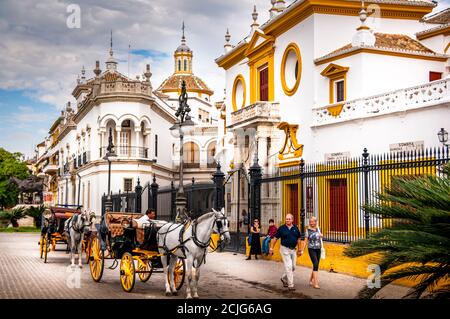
[
  {"x": 139, "y": 118},
  {"x": 331, "y": 78}
]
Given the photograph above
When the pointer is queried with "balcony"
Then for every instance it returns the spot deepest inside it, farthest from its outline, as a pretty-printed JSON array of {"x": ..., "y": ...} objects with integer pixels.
[
  {"x": 268, "y": 112},
  {"x": 128, "y": 152},
  {"x": 421, "y": 96},
  {"x": 50, "y": 169}
]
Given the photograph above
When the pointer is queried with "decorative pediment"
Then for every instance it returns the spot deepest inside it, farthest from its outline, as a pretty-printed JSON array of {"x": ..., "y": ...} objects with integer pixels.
[
  {"x": 291, "y": 148},
  {"x": 334, "y": 70},
  {"x": 259, "y": 42}
]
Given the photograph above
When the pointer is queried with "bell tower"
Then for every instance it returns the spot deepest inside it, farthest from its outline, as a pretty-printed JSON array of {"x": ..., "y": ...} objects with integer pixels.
[{"x": 183, "y": 57}]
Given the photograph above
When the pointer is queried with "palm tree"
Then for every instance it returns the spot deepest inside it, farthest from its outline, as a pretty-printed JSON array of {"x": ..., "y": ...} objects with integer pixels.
[
  {"x": 36, "y": 213},
  {"x": 418, "y": 240},
  {"x": 13, "y": 215}
]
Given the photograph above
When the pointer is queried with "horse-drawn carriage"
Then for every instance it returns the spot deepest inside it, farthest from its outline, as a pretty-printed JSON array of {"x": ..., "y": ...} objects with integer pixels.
[
  {"x": 119, "y": 237},
  {"x": 53, "y": 232}
]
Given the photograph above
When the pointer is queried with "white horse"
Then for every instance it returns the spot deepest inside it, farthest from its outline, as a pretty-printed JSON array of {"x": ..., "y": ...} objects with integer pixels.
[
  {"x": 75, "y": 228},
  {"x": 192, "y": 245}
]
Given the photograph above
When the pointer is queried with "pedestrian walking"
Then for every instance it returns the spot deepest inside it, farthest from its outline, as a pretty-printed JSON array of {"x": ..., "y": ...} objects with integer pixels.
[
  {"x": 255, "y": 245},
  {"x": 313, "y": 240},
  {"x": 290, "y": 240},
  {"x": 270, "y": 234}
]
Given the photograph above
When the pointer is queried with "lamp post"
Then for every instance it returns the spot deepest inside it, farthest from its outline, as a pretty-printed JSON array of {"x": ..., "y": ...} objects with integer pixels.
[
  {"x": 182, "y": 126},
  {"x": 110, "y": 154},
  {"x": 443, "y": 137}
]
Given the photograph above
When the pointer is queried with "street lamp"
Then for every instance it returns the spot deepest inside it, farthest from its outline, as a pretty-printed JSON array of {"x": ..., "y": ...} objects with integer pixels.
[
  {"x": 110, "y": 154},
  {"x": 182, "y": 126},
  {"x": 443, "y": 137}
]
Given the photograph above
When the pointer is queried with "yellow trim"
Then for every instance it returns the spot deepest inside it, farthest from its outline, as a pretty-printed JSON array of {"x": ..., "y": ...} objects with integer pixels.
[
  {"x": 332, "y": 82},
  {"x": 291, "y": 18},
  {"x": 233, "y": 58},
  {"x": 291, "y": 47},
  {"x": 446, "y": 48},
  {"x": 445, "y": 31},
  {"x": 323, "y": 183},
  {"x": 254, "y": 77},
  {"x": 288, "y": 164},
  {"x": 383, "y": 52},
  {"x": 335, "y": 73},
  {"x": 293, "y": 149},
  {"x": 287, "y": 197},
  {"x": 335, "y": 110},
  {"x": 238, "y": 79}
]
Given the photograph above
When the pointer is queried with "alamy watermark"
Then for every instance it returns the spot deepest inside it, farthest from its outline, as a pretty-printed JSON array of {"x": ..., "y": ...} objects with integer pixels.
[
  {"x": 374, "y": 279},
  {"x": 73, "y": 20}
]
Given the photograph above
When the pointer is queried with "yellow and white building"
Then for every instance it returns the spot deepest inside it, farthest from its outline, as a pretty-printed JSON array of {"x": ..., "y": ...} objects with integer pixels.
[
  {"x": 334, "y": 77},
  {"x": 72, "y": 156}
]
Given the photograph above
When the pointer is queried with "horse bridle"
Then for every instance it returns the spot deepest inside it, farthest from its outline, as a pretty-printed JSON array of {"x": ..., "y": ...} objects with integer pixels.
[
  {"x": 80, "y": 230},
  {"x": 219, "y": 224}
]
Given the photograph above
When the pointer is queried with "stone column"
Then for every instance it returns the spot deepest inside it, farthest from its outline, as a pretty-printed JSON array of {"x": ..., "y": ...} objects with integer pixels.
[{"x": 137, "y": 142}]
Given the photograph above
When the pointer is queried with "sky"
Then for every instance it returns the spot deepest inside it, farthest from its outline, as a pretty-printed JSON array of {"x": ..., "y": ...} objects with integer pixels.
[{"x": 41, "y": 53}]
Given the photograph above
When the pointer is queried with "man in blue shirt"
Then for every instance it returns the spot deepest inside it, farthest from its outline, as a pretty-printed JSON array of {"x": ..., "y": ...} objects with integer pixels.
[{"x": 291, "y": 238}]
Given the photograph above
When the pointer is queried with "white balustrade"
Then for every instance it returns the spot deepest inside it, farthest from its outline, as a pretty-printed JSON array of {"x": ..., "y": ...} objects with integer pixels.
[{"x": 391, "y": 102}]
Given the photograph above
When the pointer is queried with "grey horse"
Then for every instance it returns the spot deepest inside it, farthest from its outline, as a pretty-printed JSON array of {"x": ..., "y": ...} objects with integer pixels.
[{"x": 75, "y": 228}]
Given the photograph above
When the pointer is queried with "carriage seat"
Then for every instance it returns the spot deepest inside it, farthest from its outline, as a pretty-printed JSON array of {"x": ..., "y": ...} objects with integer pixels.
[
  {"x": 114, "y": 221},
  {"x": 146, "y": 236}
]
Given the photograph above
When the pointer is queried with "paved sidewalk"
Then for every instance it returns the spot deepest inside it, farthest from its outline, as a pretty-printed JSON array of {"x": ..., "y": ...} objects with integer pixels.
[
  {"x": 225, "y": 275},
  {"x": 266, "y": 275}
]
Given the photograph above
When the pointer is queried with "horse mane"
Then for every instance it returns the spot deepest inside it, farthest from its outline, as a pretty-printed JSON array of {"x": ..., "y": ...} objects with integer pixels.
[{"x": 205, "y": 216}]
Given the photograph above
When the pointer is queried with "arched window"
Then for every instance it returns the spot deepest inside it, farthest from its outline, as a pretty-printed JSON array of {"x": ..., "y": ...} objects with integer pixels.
[
  {"x": 191, "y": 155},
  {"x": 179, "y": 65},
  {"x": 211, "y": 153},
  {"x": 185, "y": 65}
]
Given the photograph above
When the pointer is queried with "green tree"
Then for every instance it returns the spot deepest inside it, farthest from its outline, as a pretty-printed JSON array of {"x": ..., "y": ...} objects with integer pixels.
[
  {"x": 10, "y": 166},
  {"x": 418, "y": 242}
]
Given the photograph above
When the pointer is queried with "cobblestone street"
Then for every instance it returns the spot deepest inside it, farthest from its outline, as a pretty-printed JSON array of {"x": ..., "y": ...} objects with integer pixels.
[{"x": 225, "y": 275}]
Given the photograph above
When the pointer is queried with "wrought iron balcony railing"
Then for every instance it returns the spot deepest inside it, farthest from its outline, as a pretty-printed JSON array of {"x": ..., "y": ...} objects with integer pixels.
[{"x": 128, "y": 151}]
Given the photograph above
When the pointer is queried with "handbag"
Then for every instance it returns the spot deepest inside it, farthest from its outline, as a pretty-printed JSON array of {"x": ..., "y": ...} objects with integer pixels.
[
  {"x": 322, "y": 248},
  {"x": 249, "y": 239}
]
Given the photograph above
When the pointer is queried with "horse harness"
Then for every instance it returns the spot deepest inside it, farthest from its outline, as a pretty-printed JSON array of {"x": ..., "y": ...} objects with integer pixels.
[{"x": 182, "y": 245}]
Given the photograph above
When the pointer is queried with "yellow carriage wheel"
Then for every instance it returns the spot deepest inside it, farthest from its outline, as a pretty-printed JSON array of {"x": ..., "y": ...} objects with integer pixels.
[
  {"x": 96, "y": 259},
  {"x": 46, "y": 246},
  {"x": 178, "y": 274},
  {"x": 127, "y": 272},
  {"x": 41, "y": 245},
  {"x": 144, "y": 265}
]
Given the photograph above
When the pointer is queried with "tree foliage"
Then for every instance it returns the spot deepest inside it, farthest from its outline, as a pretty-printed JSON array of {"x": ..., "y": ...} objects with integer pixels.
[
  {"x": 417, "y": 244},
  {"x": 10, "y": 166}
]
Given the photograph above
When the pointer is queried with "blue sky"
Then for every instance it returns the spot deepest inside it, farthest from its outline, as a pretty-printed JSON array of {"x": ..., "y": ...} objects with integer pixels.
[{"x": 40, "y": 57}]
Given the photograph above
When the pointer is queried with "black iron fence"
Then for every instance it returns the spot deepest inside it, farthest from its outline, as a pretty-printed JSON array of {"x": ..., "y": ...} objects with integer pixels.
[
  {"x": 121, "y": 202},
  {"x": 200, "y": 200},
  {"x": 335, "y": 191}
]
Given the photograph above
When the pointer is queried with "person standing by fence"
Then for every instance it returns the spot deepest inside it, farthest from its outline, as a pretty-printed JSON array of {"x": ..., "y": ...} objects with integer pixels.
[
  {"x": 255, "y": 245},
  {"x": 290, "y": 239},
  {"x": 314, "y": 242}
]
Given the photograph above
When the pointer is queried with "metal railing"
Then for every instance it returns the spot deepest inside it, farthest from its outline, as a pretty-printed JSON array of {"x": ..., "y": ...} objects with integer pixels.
[
  {"x": 336, "y": 191},
  {"x": 128, "y": 151}
]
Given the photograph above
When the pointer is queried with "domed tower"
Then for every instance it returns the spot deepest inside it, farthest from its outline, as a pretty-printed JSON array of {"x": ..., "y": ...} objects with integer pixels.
[
  {"x": 183, "y": 71},
  {"x": 183, "y": 57}
]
